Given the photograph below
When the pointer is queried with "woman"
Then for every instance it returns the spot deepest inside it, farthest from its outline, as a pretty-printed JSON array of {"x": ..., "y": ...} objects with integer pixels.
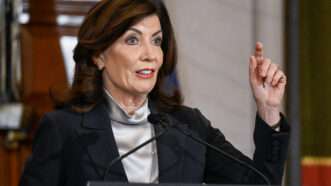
[{"x": 125, "y": 51}]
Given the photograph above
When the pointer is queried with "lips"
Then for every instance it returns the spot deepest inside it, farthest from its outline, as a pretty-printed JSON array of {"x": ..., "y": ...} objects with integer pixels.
[{"x": 145, "y": 73}]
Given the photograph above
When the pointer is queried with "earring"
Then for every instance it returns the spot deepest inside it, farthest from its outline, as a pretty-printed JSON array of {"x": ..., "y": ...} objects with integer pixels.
[
  {"x": 99, "y": 62},
  {"x": 102, "y": 57},
  {"x": 100, "y": 66}
]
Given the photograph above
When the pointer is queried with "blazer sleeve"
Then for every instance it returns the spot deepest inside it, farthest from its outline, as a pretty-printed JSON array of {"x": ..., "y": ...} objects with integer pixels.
[
  {"x": 269, "y": 157},
  {"x": 44, "y": 165}
]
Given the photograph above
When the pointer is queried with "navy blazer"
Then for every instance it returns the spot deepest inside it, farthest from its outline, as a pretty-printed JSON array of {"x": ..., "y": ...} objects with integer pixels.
[{"x": 72, "y": 148}]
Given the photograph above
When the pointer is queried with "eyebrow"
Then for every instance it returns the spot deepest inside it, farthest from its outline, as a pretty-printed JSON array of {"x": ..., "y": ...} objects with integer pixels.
[{"x": 140, "y": 33}]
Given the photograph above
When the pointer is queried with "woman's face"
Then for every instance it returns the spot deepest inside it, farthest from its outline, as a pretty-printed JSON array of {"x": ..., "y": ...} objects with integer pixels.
[{"x": 132, "y": 62}]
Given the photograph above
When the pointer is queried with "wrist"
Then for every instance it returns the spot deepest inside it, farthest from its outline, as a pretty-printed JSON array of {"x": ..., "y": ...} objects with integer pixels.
[{"x": 270, "y": 115}]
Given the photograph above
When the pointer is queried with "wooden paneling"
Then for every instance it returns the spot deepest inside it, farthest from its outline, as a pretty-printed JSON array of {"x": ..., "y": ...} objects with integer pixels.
[
  {"x": 42, "y": 69},
  {"x": 69, "y": 7},
  {"x": 43, "y": 66},
  {"x": 12, "y": 162},
  {"x": 42, "y": 60}
]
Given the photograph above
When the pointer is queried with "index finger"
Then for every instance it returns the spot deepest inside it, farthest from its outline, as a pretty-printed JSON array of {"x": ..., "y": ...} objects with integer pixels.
[{"x": 258, "y": 49}]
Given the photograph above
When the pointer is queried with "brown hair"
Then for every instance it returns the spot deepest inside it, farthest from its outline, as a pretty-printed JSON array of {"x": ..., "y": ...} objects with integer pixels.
[{"x": 103, "y": 25}]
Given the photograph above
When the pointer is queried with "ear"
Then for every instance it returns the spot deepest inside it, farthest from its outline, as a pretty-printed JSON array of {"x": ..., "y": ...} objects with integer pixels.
[{"x": 99, "y": 61}]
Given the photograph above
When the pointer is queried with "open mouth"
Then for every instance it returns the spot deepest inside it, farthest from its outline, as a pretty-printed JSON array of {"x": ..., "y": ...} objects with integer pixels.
[{"x": 145, "y": 73}]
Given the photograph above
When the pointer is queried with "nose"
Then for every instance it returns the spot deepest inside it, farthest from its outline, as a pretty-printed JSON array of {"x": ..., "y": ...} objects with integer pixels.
[{"x": 148, "y": 53}]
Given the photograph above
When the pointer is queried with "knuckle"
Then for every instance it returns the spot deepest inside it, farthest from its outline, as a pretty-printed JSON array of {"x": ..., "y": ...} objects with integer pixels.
[{"x": 274, "y": 67}]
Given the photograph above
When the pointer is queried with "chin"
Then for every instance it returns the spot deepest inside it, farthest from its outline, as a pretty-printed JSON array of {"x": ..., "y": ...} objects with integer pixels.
[{"x": 144, "y": 89}]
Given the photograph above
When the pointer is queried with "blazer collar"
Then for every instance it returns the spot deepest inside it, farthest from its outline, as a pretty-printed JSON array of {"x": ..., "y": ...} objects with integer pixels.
[
  {"x": 101, "y": 147},
  {"x": 169, "y": 150}
]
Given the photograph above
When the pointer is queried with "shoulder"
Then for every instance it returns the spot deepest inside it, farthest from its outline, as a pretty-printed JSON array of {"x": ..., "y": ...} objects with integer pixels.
[
  {"x": 68, "y": 120},
  {"x": 192, "y": 117},
  {"x": 188, "y": 114},
  {"x": 62, "y": 122},
  {"x": 55, "y": 129},
  {"x": 62, "y": 116}
]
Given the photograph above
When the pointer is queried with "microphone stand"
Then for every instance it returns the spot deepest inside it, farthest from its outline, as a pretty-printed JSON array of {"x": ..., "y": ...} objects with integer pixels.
[
  {"x": 215, "y": 148},
  {"x": 119, "y": 158}
]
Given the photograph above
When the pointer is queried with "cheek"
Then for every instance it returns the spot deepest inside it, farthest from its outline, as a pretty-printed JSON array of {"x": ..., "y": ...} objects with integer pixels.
[
  {"x": 122, "y": 63},
  {"x": 117, "y": 71}
]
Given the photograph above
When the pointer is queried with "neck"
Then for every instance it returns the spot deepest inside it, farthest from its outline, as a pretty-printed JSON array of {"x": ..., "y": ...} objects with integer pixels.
[{"x": 130, "y": 103}]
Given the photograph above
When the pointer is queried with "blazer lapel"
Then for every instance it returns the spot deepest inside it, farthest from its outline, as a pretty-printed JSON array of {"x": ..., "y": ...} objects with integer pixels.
[
  {"x": 103, "y": 150},
  {"x": 169, "y": 152}
]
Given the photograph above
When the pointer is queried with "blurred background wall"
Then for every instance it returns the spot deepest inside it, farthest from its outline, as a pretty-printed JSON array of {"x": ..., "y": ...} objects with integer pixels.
[{"x": 215, "y": 40}]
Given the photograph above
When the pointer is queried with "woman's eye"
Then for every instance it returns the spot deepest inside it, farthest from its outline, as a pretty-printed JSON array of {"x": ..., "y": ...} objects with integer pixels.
[
  {"x": 132, "y": 40},
  {"x": 158, "y": 41}
]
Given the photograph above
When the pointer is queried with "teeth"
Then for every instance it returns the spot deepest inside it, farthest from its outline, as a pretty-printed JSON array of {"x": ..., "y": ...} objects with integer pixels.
[{"x": 145, "y": 72}]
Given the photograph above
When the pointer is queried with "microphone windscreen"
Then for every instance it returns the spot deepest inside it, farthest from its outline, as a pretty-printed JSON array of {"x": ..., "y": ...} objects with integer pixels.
[
  {"x": 154, "y": 118},
  {"x": 159, "y": 119}
]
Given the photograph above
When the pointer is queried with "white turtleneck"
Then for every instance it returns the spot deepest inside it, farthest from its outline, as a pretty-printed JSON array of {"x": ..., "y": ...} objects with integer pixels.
[{"x": 129, "y": 132}]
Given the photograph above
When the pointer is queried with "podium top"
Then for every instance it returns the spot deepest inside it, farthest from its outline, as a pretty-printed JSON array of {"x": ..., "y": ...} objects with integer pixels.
[{"x": 100, "y": 183}]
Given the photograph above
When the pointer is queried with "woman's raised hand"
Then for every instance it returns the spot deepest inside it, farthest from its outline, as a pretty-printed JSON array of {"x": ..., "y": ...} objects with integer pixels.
[{"x": 268, "y": 85}]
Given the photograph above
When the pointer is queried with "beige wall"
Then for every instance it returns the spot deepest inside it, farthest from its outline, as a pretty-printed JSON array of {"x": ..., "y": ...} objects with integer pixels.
[{"x": 215, "y": 39}]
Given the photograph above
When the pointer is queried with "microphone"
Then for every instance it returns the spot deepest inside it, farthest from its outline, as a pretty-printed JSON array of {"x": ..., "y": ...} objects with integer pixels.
[
  {"x": 119, "y": 158},
  {"x": 163, "y": 120}
]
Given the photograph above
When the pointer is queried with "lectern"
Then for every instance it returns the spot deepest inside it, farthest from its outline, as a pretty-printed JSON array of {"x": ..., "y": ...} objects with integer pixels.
[{"x": 161, "y": 184}]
